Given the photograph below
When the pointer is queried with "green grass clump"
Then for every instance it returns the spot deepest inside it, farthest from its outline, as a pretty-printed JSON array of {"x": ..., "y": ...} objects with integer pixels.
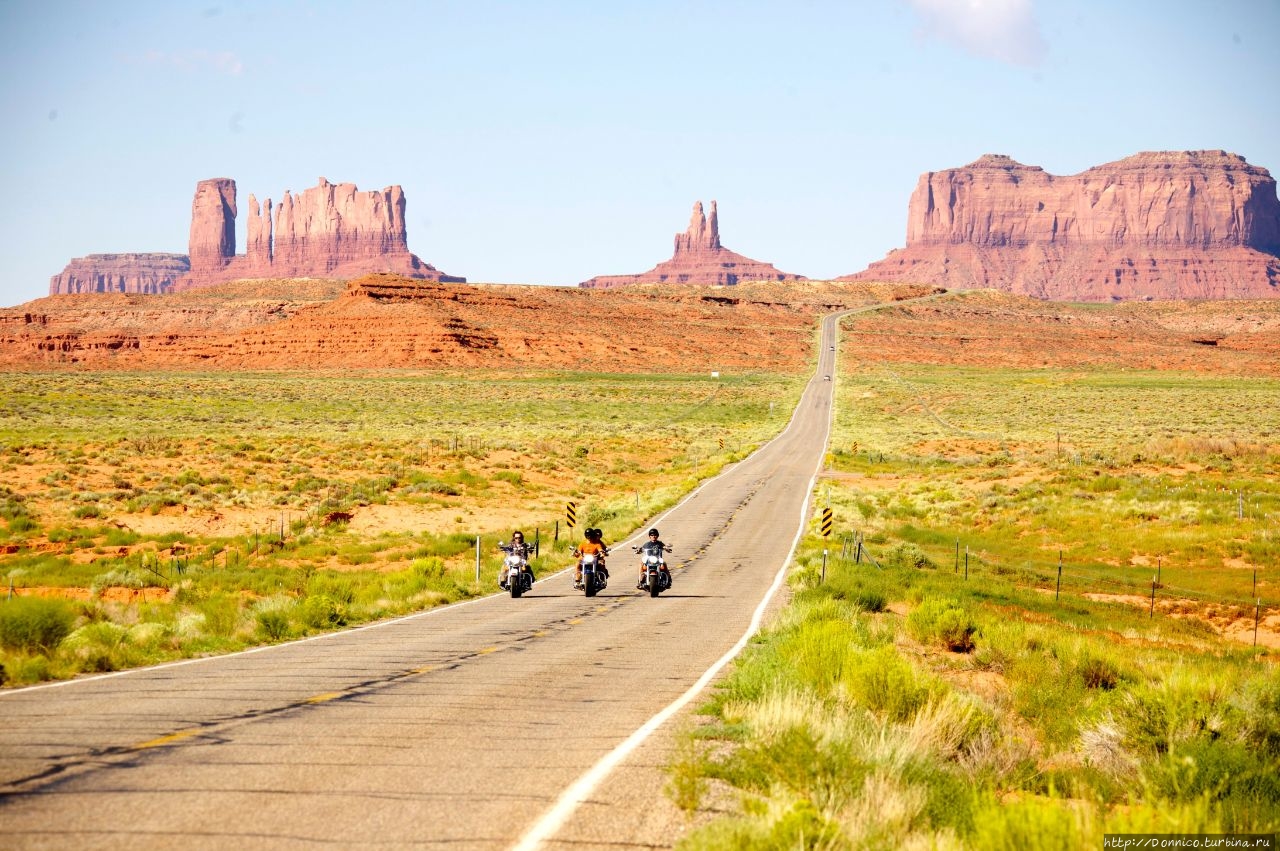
[
  {"x": 34, "y": 624},
  {"x": 887, "y": 684}
]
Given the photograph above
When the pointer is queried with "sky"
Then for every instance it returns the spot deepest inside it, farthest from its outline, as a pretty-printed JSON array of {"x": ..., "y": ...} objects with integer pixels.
[{"x": 548, "y": 142}]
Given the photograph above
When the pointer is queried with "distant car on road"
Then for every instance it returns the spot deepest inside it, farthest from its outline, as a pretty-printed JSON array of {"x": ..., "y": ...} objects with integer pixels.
[{"x": 826, "y": 378}]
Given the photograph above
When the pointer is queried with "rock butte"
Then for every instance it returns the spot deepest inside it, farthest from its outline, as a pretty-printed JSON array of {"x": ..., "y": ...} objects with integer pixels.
[
  {"x": 147, "y": 273},
  {"x": 329, "y": 231},
  {"x": 1166, "y": 225},
  {"x": 699, "y": 259}
]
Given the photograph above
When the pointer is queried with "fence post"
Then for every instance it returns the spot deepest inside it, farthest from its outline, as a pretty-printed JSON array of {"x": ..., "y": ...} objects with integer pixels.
[
  {"x": 1257, "y": 612},
  {"x": 966, "y": 564},
  {"x": 1153, "y": 598},
  {"x": 1058, "y": 591},
  {"x": 557, "y": 538},
  {"x": 957, "y": 555},
  {"x": 537, "y": 540},
  {"x": 824, "y": 567}
]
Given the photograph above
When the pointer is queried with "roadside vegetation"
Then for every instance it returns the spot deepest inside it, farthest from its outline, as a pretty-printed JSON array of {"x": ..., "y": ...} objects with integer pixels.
[
  {"x": 146, "y": 517},
  {"x": 898, "y": 703}
]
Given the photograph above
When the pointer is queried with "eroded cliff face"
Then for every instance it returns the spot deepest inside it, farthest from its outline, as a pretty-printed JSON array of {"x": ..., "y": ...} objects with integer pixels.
[
  {"x": 1192, "y": 224},
  {"x": 332, "y": 230},
  {"x": 120, "y": 273},
  {"x": 699, "y": 258}
]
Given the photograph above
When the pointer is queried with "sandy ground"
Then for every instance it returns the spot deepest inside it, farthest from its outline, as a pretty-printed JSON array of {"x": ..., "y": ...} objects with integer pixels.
[{"x": 1236, "y": 629}]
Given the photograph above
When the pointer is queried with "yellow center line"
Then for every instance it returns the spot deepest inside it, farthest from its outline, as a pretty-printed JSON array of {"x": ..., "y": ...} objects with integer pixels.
[
  {"x": 166, "y": 740},
  {"x": 423, "y": 669},
  {"x": 321, "y": 698},
  {"x": 488, "y": 650}
]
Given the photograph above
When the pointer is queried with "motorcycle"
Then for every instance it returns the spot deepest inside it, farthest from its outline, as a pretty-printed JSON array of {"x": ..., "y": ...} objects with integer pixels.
[
  {"x": 656, "y": 576},
  {"x": 516, "y": 577},
  {"x": 594, "y": 576}
]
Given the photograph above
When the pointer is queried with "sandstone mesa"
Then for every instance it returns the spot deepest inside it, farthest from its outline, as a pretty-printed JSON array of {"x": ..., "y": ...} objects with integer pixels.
[
  {"x": 699, "y": 259},
  {"x": 328, "y": 231},
  {"x": 1164, "y": 225}
]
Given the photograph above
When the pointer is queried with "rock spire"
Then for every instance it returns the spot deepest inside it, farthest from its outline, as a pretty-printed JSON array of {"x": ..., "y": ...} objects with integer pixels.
[{"x": 699, "y": 258}]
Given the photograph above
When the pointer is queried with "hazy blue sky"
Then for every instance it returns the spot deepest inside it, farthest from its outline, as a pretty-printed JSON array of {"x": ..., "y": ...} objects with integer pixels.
[{"x": 546, "y": 142}]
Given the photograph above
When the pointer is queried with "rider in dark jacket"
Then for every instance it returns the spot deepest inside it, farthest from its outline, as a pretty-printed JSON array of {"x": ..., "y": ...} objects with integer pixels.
[{"x": 653, "y": 545}]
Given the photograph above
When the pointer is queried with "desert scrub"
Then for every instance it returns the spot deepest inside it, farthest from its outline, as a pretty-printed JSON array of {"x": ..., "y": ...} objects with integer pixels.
[
  {"x": 1088, "y": 719},
  {"x": 943, "y": 622}
]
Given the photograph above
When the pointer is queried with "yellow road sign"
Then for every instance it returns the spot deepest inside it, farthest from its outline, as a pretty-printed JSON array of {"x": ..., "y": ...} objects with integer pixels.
[
  {"x": 571, "y": 513},
  {"x": 826, "y": 522}
]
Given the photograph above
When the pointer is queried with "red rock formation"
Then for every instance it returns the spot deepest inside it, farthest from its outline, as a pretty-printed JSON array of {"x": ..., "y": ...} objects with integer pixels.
[
  {"x": 120, "y": 273},
  {"x": 699, "y": 259},
  {"x": 328, "y": 231},
  {"x": 213, "y": 226},
  {"x": 1195, "y": 224}
]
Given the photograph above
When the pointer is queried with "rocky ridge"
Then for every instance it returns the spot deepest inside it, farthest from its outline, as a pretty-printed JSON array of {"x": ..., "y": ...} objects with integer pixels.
[
  {"x": 1182, "y": 225},
  {"x": 699, "y": 258},
  {"x": 389, "y": 321}
]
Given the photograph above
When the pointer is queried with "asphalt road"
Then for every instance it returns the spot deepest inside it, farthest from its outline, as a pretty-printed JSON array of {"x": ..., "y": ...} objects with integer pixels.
[{"x": 461, "y": 727}]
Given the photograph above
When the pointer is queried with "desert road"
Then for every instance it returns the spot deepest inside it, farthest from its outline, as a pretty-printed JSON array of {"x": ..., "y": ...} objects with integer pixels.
[{"x": 494, "y": 723}]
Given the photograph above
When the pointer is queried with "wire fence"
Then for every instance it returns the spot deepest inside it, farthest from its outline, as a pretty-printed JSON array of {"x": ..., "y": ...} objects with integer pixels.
[{"x": 1071, "y": 578}]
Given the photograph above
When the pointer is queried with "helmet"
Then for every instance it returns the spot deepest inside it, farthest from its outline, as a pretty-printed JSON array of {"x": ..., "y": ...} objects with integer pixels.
[{"x": 653, "y": 533}]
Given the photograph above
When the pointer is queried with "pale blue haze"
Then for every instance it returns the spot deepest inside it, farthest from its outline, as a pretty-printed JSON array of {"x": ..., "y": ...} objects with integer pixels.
[{"x": 549, "y": 142}]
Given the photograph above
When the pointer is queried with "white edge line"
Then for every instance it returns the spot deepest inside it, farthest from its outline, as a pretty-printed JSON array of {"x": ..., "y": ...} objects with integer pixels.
[
  {"x": 551, "y": 821},
  {"x": 376, "y": 625}
]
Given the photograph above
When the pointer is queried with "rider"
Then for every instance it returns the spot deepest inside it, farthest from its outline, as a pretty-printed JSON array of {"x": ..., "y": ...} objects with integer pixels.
[
  {"x": 653, "y": 545},
  {"x": 517, "y": 547},
  {"x": 594, "y": 543}
]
